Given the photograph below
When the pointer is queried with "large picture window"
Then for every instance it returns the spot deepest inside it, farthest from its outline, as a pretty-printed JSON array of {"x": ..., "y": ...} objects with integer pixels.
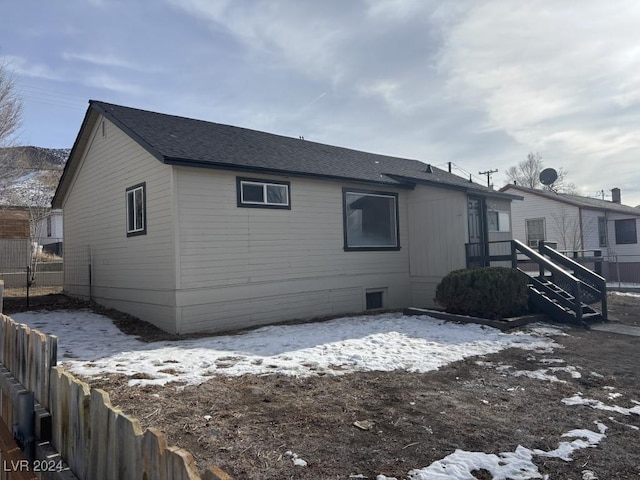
[
  {"x": 370, "y": 220},
  {"x": 263, "y": 193},
  {"x": 136, "y": 210},
  {"x": 626, "y": 231}
]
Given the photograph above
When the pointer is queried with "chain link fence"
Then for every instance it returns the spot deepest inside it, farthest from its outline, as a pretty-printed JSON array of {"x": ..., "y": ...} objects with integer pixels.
[{"x": 28, "y": 272}]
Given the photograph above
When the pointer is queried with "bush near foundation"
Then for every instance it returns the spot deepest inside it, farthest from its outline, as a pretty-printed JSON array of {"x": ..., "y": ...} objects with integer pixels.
[{"x": 489, "y": 292}]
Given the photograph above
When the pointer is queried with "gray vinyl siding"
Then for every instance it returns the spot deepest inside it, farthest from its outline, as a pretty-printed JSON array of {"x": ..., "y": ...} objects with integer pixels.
[
  {"x": 133, "y": 274},
  {"x": 247, "y": 266},
  {"x": 437, "y": 235},
  {"x": 590, "y": 229}
]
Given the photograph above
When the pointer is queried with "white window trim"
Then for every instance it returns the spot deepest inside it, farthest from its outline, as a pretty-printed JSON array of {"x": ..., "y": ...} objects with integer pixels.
[
  {"x": 501, "y": 213},
  {"x": 544, "y": 229},
  {"x": 264, "y": 193},
  {"x": 131, "y": 197}
]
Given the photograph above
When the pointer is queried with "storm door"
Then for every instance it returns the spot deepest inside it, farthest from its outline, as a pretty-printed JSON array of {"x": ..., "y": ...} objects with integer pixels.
[{"x": 477, "y": 247}]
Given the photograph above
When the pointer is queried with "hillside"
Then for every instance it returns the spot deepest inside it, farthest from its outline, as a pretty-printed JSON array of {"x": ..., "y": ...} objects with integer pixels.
[{"x": 30, "y": 175}]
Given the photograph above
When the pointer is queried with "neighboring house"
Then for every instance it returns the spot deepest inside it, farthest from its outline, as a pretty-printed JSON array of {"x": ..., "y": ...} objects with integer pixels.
[
  {"x": 14, "y": 240},
  {"x": 575, "y": 223},
  {"x": 49, "y": 231},
  {"x": 14, "y": 222},
  {"x": 197, "y": 226}
]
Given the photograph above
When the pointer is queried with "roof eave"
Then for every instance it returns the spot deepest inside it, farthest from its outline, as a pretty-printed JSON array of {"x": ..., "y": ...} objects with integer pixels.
[
  {"x": 182, "y": 162},
  {"x": 460, "y": 188},
  {"x": 71, "y": 165},
  {"x": 603, "y": 208},
  {"x": 90, "y": 118}
]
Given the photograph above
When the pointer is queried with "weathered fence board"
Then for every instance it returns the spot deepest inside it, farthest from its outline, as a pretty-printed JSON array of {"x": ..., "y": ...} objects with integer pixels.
[
  {"x": 96, "y": 440},
  {"x": 99, "y": 442},
  {"x": 29, "y": 355}
]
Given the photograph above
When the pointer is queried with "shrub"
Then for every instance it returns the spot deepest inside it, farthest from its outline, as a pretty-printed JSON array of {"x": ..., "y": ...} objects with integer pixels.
[{"x": 491, "y": 292}]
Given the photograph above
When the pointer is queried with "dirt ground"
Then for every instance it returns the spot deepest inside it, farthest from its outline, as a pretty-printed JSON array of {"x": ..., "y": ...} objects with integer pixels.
[{"x": 246, "y": 424}]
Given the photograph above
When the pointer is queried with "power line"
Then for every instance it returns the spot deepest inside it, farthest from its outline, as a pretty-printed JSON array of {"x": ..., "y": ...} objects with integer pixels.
[
  {"x": 488, "y": 173},
  {"x": 478, "y": 179}
]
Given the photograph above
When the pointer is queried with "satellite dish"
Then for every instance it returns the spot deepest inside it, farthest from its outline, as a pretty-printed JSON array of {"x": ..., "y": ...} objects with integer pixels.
[{"x": 548, "y": 176}]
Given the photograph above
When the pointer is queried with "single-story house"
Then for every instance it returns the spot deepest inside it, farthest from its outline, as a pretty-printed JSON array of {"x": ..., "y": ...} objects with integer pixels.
[
  {"x": 198, "y": 226},
  {"x": 578, "y": 223},
  {"x": 15, "y": 242}
]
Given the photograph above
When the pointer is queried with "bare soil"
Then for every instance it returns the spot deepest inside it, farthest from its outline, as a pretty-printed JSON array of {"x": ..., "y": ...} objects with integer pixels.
[{"x": 407, "y": 420}]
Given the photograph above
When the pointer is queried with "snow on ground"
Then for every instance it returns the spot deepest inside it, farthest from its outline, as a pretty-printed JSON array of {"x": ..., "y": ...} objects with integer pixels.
[
  {"x": 89, "y": 344},
  {"x": 518, "y": 464},
  {"x": 626, "y": 294},
  {"x": 577, "y": 399}
]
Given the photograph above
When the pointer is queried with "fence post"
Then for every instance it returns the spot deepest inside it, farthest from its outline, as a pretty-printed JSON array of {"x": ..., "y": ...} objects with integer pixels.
[
  {"x": 28, "y": 283},
  {"x": 597, "y": 262}
]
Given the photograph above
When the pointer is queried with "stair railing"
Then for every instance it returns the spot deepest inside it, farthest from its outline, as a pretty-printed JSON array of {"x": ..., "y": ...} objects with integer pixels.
[
  {"x": 545, "y": 264},
  {"x": 594, "y": 283}
]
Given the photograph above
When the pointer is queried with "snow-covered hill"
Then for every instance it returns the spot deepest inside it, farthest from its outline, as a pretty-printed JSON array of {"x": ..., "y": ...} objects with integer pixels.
[{"x": 30, "y": 175}]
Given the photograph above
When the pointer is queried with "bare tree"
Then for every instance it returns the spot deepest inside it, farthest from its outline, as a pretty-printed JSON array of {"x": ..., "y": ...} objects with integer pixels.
[
  {"x": 10, "y": 106},
  {"x": 527, "y": 174},
  {"x": 568, "y": 228}
]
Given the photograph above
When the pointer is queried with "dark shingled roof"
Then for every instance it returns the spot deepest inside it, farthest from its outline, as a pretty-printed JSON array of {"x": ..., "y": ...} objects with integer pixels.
[
  {"x": 576, "y": 200},
  {"x": 184, "y": 141}
]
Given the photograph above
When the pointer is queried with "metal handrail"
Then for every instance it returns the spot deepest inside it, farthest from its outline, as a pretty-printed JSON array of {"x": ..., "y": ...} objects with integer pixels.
[
  {"x": 546, "y": 264},
  {"x": 598, "y": 282},
  {"x": 570, "y": 263}
]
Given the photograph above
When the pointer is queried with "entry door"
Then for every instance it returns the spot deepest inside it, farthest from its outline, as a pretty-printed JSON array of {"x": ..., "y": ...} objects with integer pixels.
[{"x": 477, "y": 233}]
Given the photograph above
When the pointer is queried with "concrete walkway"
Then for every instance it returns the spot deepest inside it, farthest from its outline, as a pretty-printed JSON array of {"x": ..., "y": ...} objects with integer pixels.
[{"x": 617, "y": 328}]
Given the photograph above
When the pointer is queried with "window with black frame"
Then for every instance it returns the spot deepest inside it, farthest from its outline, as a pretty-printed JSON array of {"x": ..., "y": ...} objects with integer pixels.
[
  {"x": 626, "y": 232},
  {"x": 256, "y": 193},
  {"x": 370, "y": 220}
]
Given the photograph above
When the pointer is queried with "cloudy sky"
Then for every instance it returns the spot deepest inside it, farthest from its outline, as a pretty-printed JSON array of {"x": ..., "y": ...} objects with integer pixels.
[{"x": 480, "y": 83}]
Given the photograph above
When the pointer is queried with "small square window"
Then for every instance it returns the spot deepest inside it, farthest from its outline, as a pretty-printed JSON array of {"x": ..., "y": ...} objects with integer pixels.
[
  {"x": 262, "y": 193},
  {"x": 626, "y": 232},
  {"x": 498, "y": 221}
]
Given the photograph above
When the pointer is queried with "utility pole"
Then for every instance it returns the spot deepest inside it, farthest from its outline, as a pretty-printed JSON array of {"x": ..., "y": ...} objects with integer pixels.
[{"x": 488, "y": 173}]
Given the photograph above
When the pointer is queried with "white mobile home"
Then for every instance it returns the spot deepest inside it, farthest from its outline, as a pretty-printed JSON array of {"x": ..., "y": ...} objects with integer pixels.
[{"x": 197, "y": 226}]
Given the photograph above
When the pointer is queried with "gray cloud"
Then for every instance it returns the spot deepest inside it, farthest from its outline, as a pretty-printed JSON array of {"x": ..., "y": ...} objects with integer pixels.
[{"x": 479, "y": 83}]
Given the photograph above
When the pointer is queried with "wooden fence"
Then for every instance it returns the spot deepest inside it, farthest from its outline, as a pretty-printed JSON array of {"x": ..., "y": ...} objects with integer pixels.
[{"x": 92, "y": 439}]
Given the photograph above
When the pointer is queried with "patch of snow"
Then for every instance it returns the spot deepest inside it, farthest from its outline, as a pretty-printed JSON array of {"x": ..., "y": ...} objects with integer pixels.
[
  {"x": 577, "y": 399},
  {"x": 297, "y": 461},
  {"x": 89, "y": 344},
  {"x": 546, "y": 331},
  {"x": 633, "y": 427},
  {"x": 627, "y": 294},
  {"x": 540, "y": 374},
  {"x": 547, "y": 361},
  {"x": 509, "y": 465}
]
